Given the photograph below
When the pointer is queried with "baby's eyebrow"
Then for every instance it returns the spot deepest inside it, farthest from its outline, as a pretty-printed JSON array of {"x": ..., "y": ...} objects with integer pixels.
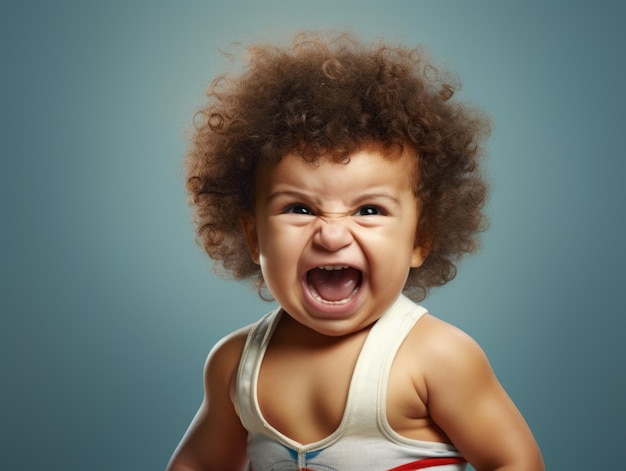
[
  {"x": 364, "y": 198},
  {"x": 298, "y": 195}
]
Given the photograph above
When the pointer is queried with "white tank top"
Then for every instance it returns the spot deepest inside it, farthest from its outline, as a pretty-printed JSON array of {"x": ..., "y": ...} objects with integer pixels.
[{"x": 364, "y": 440}]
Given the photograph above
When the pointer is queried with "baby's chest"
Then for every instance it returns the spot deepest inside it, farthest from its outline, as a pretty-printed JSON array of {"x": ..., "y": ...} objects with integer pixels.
[{"x": 304, "y": 396}]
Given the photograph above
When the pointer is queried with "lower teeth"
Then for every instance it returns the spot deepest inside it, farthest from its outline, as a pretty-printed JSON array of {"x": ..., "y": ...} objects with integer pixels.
[{"x": 319, "y": 299}]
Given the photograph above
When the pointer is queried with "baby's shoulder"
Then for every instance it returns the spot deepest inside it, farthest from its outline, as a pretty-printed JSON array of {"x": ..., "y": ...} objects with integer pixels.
[
  {"x": 440, "y": 346},
  {"x": 223, "y": 359}
]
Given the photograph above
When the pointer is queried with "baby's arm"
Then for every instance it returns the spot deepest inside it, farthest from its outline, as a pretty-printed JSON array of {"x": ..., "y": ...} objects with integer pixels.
[
  {"x": 215, "y": 440},
  {"x": 466, "y": 400}
]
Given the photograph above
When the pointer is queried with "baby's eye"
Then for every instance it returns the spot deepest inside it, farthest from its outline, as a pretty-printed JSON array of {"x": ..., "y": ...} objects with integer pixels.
[
  {"x": 370, "y": 211},
  {"x": 299, "y": 209}
]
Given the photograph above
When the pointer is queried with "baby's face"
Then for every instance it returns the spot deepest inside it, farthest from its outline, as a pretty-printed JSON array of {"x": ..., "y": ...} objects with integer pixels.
[{"x": 335, "y": 241}]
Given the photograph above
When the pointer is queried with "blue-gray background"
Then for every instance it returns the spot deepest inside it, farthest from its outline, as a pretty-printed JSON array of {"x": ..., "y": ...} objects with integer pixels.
[{"x": 108, "y": 306}]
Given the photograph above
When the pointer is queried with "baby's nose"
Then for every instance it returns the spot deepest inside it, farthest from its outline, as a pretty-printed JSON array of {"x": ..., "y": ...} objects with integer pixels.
[{"x": 333, "y": 233}]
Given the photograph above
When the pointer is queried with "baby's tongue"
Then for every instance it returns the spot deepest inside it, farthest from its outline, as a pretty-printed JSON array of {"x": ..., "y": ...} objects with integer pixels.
[{"x": 334, "y": 285}]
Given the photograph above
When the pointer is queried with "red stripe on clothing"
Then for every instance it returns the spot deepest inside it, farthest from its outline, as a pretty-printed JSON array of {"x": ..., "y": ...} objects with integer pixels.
[{"x": 428, "y": 463}]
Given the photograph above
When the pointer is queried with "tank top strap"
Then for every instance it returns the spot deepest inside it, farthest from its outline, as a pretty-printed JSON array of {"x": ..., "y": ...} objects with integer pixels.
[
  {"x": 366, "y": 405},
  {"x": 249, "y": 366}
]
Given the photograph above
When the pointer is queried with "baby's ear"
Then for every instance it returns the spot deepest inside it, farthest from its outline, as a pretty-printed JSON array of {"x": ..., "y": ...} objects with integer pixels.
[
  {"x": 248, "y": 224},
  {"x": 419, "y": 255},
  {"x": 421, "y": 249}
]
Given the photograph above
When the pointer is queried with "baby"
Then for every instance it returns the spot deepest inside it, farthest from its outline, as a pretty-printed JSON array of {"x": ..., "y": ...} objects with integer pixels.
[{"x": 343, "y": 178}]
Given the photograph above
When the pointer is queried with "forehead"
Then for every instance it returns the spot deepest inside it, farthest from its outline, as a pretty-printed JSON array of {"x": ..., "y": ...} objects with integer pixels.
[{"x": 365, "y": 162}]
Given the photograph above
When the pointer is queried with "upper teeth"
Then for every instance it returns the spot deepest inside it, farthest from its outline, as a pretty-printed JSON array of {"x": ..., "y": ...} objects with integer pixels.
[{"x": 333, "y": 267}]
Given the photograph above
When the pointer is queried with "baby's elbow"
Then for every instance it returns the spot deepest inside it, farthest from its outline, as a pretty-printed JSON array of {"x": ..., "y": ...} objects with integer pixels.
[
  {"x": 530, "y": 460},
  {"x": 535, "y": 461},
  {"x": 182, "y": 460},
  {"x": 178, "y": 464}
]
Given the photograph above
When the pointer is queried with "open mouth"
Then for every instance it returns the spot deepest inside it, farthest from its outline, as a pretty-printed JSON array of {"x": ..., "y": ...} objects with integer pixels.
[{"x": 334, "y": 284}]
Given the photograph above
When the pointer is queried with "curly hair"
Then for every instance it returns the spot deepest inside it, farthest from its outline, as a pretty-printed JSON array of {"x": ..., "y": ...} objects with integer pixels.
[{"x": 329, "y": 96}]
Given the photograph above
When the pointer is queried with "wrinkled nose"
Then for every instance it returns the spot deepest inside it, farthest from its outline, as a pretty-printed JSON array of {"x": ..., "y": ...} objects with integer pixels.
[{"x": 332, "y": 234}]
